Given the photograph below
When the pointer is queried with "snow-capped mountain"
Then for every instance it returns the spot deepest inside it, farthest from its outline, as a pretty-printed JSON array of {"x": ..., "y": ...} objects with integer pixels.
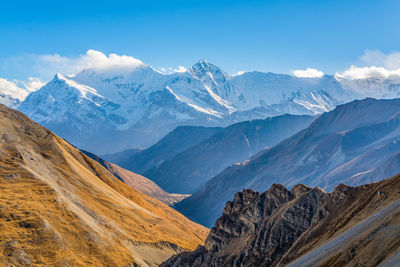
[
  {"x": 110, "y": 109},
  {"x": 9, "y": 101},
  {"x": 10, "y": 94},
  {"x": 376, "y": 87}
]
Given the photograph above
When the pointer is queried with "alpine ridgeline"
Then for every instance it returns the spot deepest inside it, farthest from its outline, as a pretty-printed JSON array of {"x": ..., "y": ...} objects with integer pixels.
[{"x": 105, "y": 110}]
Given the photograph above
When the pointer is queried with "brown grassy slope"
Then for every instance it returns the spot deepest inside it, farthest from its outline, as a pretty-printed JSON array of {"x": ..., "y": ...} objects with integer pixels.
[
  {"x": 59, "y": 207},
  {"x": 138, "y": 182},
  {"x": 144, "y": 185}
]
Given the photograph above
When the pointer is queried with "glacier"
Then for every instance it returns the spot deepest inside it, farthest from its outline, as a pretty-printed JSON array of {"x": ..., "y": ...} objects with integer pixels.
[{"x": 110, "y": 109}]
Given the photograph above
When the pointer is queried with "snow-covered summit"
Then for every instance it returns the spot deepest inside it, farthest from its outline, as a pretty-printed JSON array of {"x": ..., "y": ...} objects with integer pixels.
[{"x": 107, "y": 109}]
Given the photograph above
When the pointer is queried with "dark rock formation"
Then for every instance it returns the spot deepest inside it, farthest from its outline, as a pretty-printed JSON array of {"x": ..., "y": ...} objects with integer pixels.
[{"x": 279, "y": 226}]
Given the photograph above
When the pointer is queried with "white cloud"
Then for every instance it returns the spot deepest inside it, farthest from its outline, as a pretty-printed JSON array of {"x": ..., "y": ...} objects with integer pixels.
[
  {"x": 11, "y": 88},
  {"x": 32, "y": 84},
  {"x": 374, "y": 63},
  {"x": 377, "y": 58},
  {"x": 170, "y": 70},
  {"x": 368, "y": 72},
  {"x": 46, "y": 66},
  {"x": 240, "y": 72},
  {"x": 308, "y": 73},
  {"x": 20, "y": 89},
  {"x": 92, "y": 59}
]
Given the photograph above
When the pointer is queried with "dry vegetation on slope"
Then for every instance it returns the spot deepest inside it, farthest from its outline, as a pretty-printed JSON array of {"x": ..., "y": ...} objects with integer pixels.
[
  {"x": 145, "y": 185},
  {"x": 59, "y": 207},
  {"x": 139, "y": 182}
]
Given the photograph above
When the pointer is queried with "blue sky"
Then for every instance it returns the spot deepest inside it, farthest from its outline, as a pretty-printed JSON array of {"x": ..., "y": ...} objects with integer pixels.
[{"x": 277, "y": 36}]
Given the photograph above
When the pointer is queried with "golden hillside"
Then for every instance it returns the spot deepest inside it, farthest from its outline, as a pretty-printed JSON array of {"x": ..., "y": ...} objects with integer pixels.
[
  {"x": 138, "y": 182},
  {"x": 59, "y": 207}
]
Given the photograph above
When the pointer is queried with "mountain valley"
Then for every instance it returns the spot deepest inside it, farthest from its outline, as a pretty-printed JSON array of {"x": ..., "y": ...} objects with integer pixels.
[
  {"x": 356, "y": 143},
  {"x": 186, "y": 167}
]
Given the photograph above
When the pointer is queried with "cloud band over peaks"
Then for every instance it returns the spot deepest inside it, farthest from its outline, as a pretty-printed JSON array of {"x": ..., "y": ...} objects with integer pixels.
[{"x": 308, "y": 73}]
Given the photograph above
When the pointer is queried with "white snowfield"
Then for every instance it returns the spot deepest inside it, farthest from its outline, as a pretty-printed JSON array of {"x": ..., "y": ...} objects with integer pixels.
[
  {"x": 138, "y": 105},
  {"x": 331, "y": 248}
]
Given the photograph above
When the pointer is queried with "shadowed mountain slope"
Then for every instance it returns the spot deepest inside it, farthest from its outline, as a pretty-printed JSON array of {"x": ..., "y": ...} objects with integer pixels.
[
  {"x": 59, "y": 207},
  {"x": 356, "y": 143},
  {"x": 138, "y": 182},
  {"x": 180, "y": 139},
  {"x": 192, "y": 168},
  {"x": 352, "y": 226}
]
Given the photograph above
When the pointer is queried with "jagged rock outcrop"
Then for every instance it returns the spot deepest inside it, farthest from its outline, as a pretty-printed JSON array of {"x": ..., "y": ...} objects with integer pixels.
[{"x": 281, "y": 227}]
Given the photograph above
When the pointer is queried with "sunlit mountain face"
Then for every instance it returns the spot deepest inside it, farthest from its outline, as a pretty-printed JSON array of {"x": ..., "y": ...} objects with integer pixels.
[{"x": 110, "y": 109}]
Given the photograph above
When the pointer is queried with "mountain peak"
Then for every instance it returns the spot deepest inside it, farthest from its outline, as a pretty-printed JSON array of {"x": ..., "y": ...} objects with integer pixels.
[
  {"x": 59, "y": 77},
  {"x": 202, "y": 61},
  {"x": 207, "y": 71},
  {"x": 203, "y": 66}
]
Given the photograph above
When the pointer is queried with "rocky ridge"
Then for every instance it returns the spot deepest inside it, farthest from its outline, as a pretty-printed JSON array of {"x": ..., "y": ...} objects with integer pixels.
[{"x": 281, "y": 226}]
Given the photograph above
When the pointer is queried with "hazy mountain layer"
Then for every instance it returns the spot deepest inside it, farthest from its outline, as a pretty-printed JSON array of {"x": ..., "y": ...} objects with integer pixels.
[
  {"x": 180, "y": 139},
  {"x": 356, "y": 143},
  {"x": 190, "y": 169}
]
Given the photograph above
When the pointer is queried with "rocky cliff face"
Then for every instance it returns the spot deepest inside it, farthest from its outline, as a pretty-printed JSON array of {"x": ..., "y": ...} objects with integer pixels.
[{"x": 281, "y": 227}]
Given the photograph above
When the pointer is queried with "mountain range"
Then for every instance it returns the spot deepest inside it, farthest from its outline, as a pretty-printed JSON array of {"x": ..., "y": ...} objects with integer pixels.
[
  {"x": 221, "y": 138},
  {"x": 107, "y": 110},
  {"x": 356, "y": 143},
  {"x": 178, "y": 140},
  {"x": 111, "y": 109},
  {"x": 188, "y": 157},
  {"x": 59, "y": 207}
]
